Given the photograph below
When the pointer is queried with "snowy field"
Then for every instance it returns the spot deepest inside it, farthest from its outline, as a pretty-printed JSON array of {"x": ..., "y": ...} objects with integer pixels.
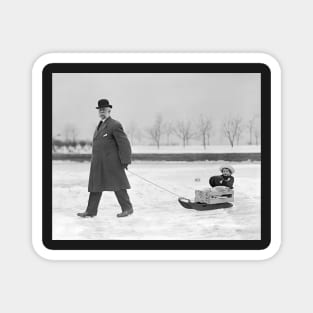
[{"x": 157, "y": 214}]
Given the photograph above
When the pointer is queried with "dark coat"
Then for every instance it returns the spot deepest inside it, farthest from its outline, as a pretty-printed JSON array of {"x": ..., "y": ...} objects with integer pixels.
[
  {"x": 110, "y": 149},
  {"x": 220, "y": 180}
]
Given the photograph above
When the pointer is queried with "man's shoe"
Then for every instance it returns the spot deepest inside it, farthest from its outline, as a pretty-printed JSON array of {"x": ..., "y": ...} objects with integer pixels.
[
  {"x": 125, "y": 213},
  {"x": 85, "y": 214}
]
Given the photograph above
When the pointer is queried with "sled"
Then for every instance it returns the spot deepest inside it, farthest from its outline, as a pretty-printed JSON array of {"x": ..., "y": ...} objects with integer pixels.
[
  {"x": 205, "y": 199},
  {"x": 209, "y": 199},
  {"x": 188, "y": 204}
]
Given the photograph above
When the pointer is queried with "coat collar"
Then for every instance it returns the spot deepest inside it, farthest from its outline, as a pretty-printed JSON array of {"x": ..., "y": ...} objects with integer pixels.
[{"x": 102, "y": 127}]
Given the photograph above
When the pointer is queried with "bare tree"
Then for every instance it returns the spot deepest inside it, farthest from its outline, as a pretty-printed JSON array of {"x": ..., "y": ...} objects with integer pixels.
[
  {"x": 239, "y": 133},
  {"x": 232, "y": 129},
  {"x": 183, "y": 131},
  {"x": 208, "y": 135},
  {"x": 254, "y": 129},
  {"x": 250, "y": 127},
  {"x": 257, "y": 129},
  {"x": 205, "y": 128},
  {"x": 155, "y": 131},
  {"x": 70, "y": 134},
  {"x": 138, "y": 136},
  {"x": 168, "y": 130},
  {"x": 53, "y": 145},
  {"x": 56, "y": 141},
  {"x": 131, "y": 131}
]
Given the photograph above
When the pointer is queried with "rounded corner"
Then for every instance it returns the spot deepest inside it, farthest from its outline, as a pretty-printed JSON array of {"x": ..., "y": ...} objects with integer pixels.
[
  {"x": 270, "y": 62},
  {"x": 271, "y": 249},
  {"x": 42, "y": 250},
  {"x": 42, "y": 62}
]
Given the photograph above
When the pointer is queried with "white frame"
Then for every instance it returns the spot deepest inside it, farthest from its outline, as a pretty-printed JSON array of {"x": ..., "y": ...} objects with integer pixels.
[{"x": 42, "y": 61}]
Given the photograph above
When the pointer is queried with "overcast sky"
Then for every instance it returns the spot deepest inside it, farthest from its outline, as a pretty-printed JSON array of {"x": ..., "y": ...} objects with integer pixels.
[{"x": 137, "y": 98}]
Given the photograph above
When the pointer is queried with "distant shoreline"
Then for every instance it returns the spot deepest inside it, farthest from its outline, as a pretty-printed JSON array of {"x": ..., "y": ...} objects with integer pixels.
[{"x": 234, "y": 157}]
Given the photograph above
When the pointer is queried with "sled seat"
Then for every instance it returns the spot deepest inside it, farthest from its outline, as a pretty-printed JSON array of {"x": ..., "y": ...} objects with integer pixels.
[{"x": 214, "y": 195}]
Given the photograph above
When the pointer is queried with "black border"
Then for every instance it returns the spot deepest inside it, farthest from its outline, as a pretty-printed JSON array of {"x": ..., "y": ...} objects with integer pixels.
[{"x": 261, "y": 68}]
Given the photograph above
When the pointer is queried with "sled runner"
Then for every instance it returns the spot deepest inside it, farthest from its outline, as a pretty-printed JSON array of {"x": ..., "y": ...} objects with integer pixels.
[{"x": 188, "y": 204}]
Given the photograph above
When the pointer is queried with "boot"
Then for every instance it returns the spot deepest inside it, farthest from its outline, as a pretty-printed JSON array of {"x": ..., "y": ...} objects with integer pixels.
[
  {"x": 125, "y": 213},
  {"x": 86, "y": 214}
]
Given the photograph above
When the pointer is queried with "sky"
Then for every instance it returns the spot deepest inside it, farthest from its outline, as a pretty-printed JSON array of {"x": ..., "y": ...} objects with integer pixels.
[{"x": 138, "y": 97}]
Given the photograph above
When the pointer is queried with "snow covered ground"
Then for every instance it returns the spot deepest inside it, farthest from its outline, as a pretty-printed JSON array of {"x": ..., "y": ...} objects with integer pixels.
[{"x": 158, "y": 215}]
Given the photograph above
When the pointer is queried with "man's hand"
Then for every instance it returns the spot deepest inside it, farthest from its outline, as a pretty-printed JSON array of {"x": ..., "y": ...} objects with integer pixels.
[{"x": 125, "y": 166}]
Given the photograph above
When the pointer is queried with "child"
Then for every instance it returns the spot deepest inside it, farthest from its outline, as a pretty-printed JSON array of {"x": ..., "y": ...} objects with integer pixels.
[{"x": 226, "y": 179}]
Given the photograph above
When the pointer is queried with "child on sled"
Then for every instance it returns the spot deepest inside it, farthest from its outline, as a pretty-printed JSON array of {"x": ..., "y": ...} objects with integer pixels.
[{"x": 226, "y": 179}]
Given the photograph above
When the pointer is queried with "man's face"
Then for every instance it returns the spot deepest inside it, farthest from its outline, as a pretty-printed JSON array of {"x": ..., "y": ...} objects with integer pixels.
[
  {"x": 104, "y": 112},
  {"x": 226, "y": 172}
]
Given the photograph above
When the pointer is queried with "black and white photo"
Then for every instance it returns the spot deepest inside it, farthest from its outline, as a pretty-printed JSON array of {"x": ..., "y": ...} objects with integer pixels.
[{"x": 172, "y": 156}]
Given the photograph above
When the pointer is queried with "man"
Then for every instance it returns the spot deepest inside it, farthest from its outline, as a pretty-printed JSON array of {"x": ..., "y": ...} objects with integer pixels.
[{"x": 111, "y": 154}]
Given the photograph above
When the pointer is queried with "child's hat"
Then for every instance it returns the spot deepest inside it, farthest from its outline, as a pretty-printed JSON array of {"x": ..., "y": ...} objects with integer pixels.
[{"x": 229, "y": 167}]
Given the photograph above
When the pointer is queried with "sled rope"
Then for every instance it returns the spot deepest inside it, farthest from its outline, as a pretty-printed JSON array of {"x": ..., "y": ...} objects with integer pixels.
[{"x": 149, "y": 181}]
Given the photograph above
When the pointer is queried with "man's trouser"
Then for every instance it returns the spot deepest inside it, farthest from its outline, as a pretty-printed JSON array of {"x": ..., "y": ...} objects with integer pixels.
[{"x": 121, "y": 195}]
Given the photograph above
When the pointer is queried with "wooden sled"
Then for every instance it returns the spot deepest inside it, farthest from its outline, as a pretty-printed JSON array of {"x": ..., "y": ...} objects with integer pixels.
[
  {"x": 210, "y": 199},
  {"x": 188, "y": 204}
]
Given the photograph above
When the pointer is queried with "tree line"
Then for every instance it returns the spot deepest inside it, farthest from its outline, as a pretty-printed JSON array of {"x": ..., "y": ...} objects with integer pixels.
[
  {"x": 202, "y": 129},
  {"x": 161, "y": 131}
]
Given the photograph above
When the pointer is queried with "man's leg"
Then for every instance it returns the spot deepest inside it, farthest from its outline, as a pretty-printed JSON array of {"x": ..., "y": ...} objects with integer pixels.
[
  {"x": 93, "y": 203},
  {"x": 124, "y": 201}
]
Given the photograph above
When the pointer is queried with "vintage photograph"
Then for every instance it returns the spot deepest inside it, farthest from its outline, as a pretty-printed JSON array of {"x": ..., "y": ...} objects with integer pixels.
[{"x": 156, "y": 156}]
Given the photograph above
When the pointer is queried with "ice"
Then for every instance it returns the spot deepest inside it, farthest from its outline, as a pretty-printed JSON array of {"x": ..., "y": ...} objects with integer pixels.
[{"x": 157, "y": 214}]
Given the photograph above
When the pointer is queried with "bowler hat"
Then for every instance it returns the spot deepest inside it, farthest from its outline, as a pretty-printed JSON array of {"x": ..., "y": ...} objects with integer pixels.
[{"x": 103, "y": 103}]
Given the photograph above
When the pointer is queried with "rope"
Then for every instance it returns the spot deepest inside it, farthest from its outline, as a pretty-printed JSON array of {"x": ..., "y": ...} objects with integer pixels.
[{"x": 173, "y": 193}]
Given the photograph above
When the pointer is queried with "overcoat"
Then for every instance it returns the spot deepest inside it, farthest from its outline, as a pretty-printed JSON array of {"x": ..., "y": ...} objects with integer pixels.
[{"x": 110, "y": 149}]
